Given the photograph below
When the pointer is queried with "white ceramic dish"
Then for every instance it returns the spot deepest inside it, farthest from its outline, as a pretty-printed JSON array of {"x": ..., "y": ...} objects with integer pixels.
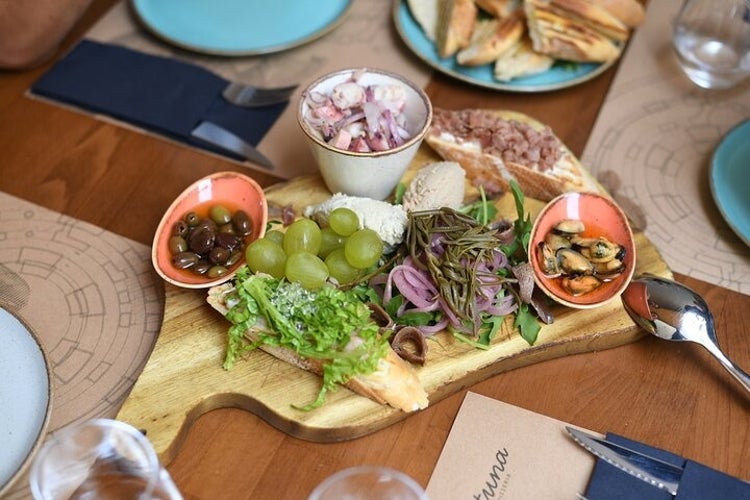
[
  {"x": 25, "y": 398},
  {"x": 730, "y": 167},
  {"x": 560, "y": 76},
  {"x": 373, "y": 174},
  {"x": 239, "y": 27}
]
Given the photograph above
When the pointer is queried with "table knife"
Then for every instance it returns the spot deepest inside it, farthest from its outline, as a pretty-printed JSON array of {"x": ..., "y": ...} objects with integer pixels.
[
  {"x": 224, "y": 139},
  {"x": 658, "y": 473}
]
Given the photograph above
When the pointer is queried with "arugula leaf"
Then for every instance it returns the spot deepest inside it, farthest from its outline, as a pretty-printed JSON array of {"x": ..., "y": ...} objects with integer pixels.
[{"x": 527, "y": 323}]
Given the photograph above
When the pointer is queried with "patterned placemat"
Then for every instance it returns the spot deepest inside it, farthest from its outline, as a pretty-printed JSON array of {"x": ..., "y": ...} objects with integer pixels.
[
  {"x": 651, "y": 147},
  {"x": 91, "y": 297}
]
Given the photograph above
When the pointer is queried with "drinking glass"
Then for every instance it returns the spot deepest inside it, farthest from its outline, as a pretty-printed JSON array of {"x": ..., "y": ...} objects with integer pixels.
[
  {"x": 99, "y": 459},
  {"x": 368, "y": 482},
  {"x": 712, "y": 41}
]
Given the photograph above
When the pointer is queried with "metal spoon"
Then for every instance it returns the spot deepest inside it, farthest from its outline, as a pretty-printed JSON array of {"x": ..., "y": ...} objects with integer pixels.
[{"x": 672, "y": 311}]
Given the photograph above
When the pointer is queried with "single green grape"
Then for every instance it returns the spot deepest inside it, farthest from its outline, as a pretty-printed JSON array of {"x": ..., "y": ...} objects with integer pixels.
[
  {"x": 307, "y": 269},
  {"x": 302, "y": 235},
  {"x": 330, "y": 240},
  {"x": 363, "y": 248},
  {"x": 276, "y": 236},
  {"x": 266, "y": 256},
  {"x": 340, "y": 269},
  {"x": 343, "y": 220}
]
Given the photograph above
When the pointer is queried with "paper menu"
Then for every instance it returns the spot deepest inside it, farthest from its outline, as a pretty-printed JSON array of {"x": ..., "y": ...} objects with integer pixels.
[{"x": 499, "y": 451}]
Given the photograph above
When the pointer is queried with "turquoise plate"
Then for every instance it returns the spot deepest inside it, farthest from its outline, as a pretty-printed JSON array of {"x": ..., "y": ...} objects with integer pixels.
[
  {"x": 239, "y": 27},
  {"x": 730, "y": 169},
  {"x": 561, "y": 75}
]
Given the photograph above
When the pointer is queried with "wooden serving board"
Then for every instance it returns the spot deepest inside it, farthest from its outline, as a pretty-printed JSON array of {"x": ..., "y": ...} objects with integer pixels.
[{"x": 184, "y": 378}]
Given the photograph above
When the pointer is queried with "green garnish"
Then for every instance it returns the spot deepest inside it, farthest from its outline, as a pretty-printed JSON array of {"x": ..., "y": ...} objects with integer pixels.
[{"x": 315, "y": 324}]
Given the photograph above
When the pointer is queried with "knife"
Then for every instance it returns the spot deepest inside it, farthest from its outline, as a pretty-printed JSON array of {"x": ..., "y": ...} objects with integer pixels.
[
  {"x": 220, "y": 137},
  {"x": 656, "y": 472}
]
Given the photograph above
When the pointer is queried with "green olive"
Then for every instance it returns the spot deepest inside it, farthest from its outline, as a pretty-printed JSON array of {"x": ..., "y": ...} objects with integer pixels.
[
  {"x": 177, "y": 244},
  {"x": 220, "y": 215},
  {"x": 217, "y": 271},
  {"x": 192, "y": 219}
]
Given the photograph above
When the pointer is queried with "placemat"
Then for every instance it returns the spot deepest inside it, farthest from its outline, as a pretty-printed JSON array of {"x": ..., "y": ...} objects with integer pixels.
[
  {"x": 91, "y": 297},
  {"x": 365, "y": 38},
  {"x": 651, "y": 148}
]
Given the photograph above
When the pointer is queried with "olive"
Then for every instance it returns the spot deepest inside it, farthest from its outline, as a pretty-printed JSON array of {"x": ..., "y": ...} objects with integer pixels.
[
  {"x": 227, "y": 228},
  {"x": 218, "y": 255},
  {"x": 184, "y": 260},
  {"x": 180, "y": 228},
  {"x": 192, "y": 219},
  {"x": 229, "y": 241},
  {"x": 177, "y": 244},
  {"x": 234, "y": 258},
  {"x": 242, "y": 223},
  {"x": 206, "y": 224},
  {"x": 202, "y": 240},
  {"x": 217, "y": 271},
  {"x": 201, "y": 267},
  {"x": 220, "y": 215}
]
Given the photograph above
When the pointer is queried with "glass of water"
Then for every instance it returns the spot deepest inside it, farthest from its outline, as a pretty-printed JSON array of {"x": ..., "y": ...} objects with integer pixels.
[
  {"x": 712, "y": 41},
  {"x": 368, "y": 482},
  {"x": 99, "y": 459}
]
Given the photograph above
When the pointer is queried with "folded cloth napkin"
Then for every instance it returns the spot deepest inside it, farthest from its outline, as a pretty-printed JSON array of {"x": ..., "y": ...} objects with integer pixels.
[
  {"x": 698, "y": 482},
  {"x": 159, "y": 94}
]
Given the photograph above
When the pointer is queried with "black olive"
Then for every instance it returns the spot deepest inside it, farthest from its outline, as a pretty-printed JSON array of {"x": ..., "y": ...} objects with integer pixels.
[
  {"x": 234, "y": 258},
  {"x": 202, "y": 240},
  {"x": 184, "y": 260},
  {"x": 201, "y": 267},
  {"x": 242, "y": 223},
  {"x": 229, "y": 241},
  {"x": 218, "y": 255},
  {"x": 192, "y": 219},
  {"x": 180, "y": 228},
  {"x": 227, "y": 228}
]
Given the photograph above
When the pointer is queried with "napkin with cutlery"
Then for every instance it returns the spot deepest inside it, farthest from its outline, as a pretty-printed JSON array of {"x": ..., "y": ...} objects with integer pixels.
[
  {"x": 158, "y": 94},
  {"x": 697, "y": 482}
]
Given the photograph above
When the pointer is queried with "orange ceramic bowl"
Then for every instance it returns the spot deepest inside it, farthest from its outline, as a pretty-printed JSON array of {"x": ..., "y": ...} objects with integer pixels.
[
  {"x": 235, "y": 191},
  {"x": 602, "y": 218}
]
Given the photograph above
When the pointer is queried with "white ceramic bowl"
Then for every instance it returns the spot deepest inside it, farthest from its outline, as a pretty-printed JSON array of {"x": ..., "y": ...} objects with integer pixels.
[{"x": 373, "y": 174}]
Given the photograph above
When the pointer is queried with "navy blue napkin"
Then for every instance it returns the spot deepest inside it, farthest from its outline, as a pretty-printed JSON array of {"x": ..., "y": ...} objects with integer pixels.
[
  {"x": 159, "y": 94},
  {"x": 698, "y": 482}
]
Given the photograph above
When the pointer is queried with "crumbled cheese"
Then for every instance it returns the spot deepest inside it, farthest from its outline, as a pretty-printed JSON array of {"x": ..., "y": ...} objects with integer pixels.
[{"x": 388, "y": 220}]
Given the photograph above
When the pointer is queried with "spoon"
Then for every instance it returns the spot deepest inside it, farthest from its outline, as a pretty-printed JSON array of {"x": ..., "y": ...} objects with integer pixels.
[{"x": 672, "y": 311}]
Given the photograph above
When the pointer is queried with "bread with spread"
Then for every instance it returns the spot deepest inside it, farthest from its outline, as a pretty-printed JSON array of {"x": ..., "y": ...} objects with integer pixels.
[{"x": 496, "y": 146}]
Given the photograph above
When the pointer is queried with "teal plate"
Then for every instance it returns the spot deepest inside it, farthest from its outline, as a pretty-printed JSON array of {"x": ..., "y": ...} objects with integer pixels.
[
  {"x": 239, "y": 27},
  {"x": 730, "y": 169},
  {"x": 561, "y": 75}
]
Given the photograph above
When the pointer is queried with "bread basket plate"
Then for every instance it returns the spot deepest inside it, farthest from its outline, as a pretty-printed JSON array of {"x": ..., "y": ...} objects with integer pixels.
[
  {"x": 25, "y": 400},
  {"x": 561, "y": 75},
  {"x": 239, "y": 27},
  {"x": 728, "y": 179}
]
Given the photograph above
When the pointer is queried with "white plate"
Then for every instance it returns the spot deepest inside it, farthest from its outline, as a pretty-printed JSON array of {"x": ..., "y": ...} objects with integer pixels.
[
  {"x": 561, "y": 75},
  {"x": 730, "y": 169},
  {"x": 239, "y": 27},
  {"x": 25, "y": 400}
]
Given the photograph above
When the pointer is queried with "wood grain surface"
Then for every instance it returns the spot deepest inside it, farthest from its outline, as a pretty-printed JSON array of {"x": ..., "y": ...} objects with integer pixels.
[{"x": 184, "y": 377}]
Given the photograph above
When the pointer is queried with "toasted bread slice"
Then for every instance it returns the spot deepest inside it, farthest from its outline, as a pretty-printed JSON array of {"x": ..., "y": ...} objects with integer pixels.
[
  {"x": 521, "y": 60},
  {"x": 497, "y": 146},
  {"x": 630, "y": 12},
  {"x": 498, "y": 8},
  {"x": 491, "y": 39},
  {"x": 456, "y": 22},
  {"x": 394, "y": 382},
  {"x": 564, "y": 38},
  {"x": 591, "y": 14}
]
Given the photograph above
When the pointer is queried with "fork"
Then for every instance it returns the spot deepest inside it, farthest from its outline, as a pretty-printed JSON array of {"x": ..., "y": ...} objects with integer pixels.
[{"x": 251, "y": 96}]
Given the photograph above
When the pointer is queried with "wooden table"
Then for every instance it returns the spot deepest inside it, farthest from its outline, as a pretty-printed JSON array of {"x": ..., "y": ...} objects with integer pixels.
[{"x": 670, "y": 395}]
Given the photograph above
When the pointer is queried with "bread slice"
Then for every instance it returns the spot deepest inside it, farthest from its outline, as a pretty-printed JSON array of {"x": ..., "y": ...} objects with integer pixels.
[
  {"x": 498, "y": 8},
  {"x": 564, "y": 38},
  {"x": 491, "y": 39},
  {"x": 497, "y": 146},
  {"x": 394, "y": 382},
  {"x": 591, "y": 14},
  {"x": 630, "y": 12},
  {"x": 456, "y": 22},
  {"x": 521, "y": 60},
  {"x": 425, "y": 12}
]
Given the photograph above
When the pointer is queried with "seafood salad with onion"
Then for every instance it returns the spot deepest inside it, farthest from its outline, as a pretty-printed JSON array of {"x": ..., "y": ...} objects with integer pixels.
[{"x": 360, "y": 118}]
